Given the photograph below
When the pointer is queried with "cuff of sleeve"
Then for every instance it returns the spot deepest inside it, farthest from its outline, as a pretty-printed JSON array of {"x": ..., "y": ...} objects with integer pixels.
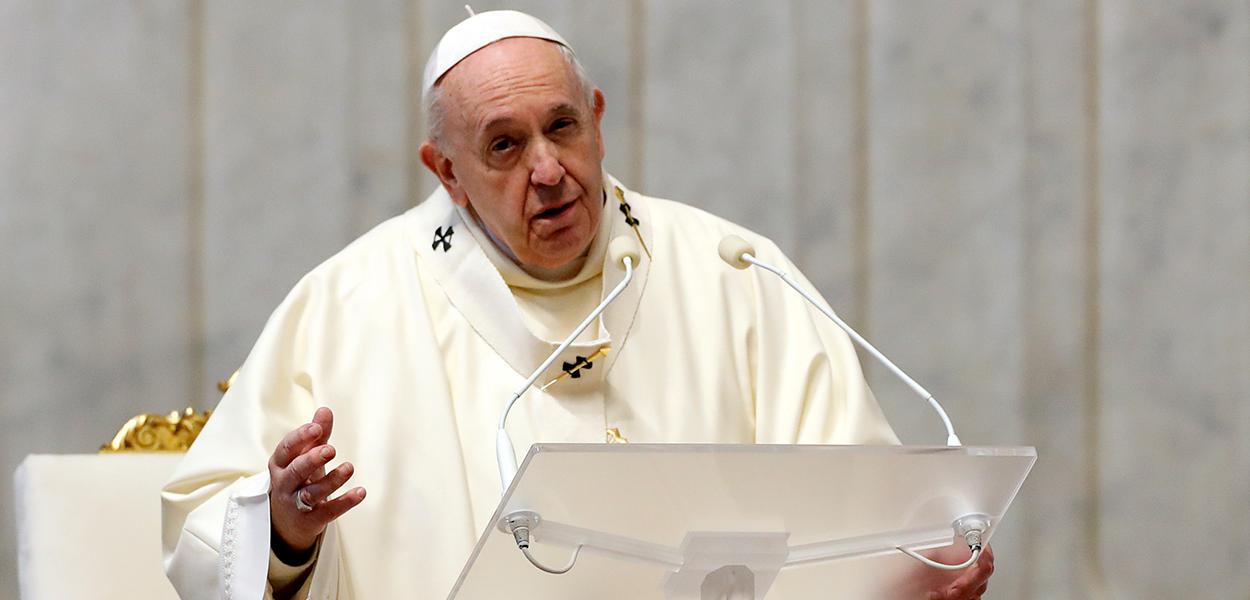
[{"x": 282, "y": 575}]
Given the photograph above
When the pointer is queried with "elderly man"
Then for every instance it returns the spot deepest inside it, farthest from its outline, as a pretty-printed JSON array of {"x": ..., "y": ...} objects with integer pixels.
[{"x": 399, "y": 352}]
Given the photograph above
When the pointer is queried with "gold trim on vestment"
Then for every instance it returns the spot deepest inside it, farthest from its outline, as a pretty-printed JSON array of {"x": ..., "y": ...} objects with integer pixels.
[
  {"x": 581, "y": 364},
  {"x": 629, "y": 218},
  {"x": 614, "y": 436}
]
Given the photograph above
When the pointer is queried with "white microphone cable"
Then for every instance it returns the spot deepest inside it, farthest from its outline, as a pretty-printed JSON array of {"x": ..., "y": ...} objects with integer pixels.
[
  {"x": 622, "y": 251},
  {"x": 740, "y": 254}
]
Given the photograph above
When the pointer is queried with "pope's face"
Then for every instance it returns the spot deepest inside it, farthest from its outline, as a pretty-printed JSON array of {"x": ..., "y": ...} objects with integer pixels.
[{"x": 521, "y": 148}]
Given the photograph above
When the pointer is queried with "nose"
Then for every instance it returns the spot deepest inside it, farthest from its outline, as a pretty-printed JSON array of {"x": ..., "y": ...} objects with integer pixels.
[{"x": 545, "y": 169}]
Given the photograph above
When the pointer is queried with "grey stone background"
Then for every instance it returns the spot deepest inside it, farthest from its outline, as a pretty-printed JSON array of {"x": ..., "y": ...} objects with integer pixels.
[{"x": 1039, "y": 207}]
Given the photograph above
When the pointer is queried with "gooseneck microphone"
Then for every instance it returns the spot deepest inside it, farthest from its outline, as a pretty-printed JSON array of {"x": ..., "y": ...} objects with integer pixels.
[
  {"x": 622, "y": 252},
  {"x": 740, "y": 254}
]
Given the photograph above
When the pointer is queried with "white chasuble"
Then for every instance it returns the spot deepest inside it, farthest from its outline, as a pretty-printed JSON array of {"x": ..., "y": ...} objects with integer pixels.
[{"x": 414, "y": 339}]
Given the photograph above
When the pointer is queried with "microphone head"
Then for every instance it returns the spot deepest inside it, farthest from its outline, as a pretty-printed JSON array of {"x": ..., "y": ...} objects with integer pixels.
[
  {"x": 621, "y": 247},
  {"x": 732, "y": 248}
]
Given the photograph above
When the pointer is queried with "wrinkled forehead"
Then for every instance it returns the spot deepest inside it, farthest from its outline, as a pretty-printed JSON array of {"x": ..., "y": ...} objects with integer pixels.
[
  {"x": 517, "y": 62},
  {"x": 513, "y": 76}
]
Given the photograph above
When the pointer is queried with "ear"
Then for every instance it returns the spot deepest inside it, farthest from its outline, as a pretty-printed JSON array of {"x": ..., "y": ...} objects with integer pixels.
[
  {"x": 440, "y": 164},
  {"x": 600, "y": 105}
]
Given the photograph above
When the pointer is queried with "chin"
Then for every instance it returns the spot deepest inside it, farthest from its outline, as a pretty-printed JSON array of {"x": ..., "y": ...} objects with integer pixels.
[
  {"x": 561, "y": 254},
  {"x": 568, "y": 246},
  {"x": 555, "y": 261}
]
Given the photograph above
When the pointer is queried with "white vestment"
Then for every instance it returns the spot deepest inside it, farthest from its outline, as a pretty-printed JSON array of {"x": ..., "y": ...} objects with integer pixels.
[{"x": 414, "y": 339}]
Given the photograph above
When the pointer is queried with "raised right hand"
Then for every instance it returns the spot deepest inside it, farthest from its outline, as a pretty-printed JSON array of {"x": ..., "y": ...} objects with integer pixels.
[{"x": 298, "y": 467}]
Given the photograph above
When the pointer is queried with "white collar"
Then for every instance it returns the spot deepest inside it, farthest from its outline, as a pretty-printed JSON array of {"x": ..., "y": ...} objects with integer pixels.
[{"x": 455, "y": 259}]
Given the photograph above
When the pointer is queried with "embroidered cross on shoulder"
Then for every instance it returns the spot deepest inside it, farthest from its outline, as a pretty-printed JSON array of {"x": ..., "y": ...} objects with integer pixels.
[
  {"x": 443, "y": 239},
  {"x": 630, "y": 219}
]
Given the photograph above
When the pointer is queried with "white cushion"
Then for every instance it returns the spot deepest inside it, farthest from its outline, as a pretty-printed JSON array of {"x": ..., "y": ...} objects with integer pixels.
[{"x": 89, "y": 526}]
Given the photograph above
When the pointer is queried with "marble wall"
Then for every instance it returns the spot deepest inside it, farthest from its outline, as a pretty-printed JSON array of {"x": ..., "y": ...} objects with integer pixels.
[{"x": 1039, "y": 208}]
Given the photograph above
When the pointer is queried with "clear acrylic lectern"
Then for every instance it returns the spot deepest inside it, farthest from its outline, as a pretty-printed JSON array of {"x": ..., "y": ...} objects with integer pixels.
[{"x": 675, "y": 521}]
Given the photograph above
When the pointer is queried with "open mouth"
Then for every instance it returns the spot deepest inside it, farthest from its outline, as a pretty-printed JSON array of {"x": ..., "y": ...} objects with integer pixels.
[{"x": 555, "y": 212}]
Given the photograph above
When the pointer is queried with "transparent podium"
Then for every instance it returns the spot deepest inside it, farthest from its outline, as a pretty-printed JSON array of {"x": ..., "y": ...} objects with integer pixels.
[{"x": 678, "y": 521}]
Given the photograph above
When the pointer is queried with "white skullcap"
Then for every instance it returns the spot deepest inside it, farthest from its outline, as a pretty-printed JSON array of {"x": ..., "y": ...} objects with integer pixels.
[{"x": 478, "y": 31}]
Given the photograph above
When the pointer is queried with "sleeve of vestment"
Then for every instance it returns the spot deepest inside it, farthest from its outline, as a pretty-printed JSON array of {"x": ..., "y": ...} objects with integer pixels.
[
  {"x": 809, "y": 387},
  {"x": 215, "y": 507},
  {"x": 286, "y": 580}
]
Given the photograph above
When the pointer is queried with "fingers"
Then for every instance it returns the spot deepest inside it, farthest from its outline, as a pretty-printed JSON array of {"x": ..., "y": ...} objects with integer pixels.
[
  {"x": 973, "y": 581},
  {"x": 984, "y": 567},
  {"x": 303, "y": 437},
  {"x": 299, "y": 440},
  {"x": 322, "y": 488},
  {"x": 333, "y": 509},
  {"x": 307, "y": 466},
  {"x": 295, "y": 443},
  {"x": 314, "y": 478},
  {"x": 324, "y": 418}
]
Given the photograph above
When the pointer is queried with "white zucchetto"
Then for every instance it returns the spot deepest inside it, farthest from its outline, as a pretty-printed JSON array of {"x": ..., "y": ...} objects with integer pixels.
[{"x": 478, "y": 31}]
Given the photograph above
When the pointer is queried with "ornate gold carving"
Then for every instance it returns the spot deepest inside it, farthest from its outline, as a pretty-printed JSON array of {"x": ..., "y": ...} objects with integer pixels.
[
  {"x": 158, "y": 433},
  {"x": 223, "y": 386}
]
